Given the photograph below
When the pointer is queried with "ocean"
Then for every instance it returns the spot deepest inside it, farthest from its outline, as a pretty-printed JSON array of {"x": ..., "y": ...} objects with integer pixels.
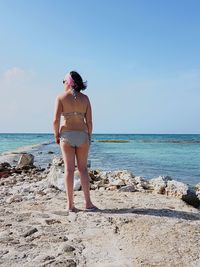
[{"x": 148, "y": 155}]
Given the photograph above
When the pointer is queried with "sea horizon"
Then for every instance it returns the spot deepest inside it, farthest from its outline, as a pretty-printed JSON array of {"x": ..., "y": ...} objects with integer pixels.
[{"x": 101, "y": 133}]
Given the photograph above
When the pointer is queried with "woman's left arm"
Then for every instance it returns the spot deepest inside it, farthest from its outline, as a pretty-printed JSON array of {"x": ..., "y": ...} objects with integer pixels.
[{"x": 56, "y": 119}]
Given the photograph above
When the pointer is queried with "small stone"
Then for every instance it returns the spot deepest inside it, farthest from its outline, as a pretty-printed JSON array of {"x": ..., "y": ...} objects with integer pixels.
[
  {"x": 15, "y": 198},
  {"x": 112, "y": 188},
  {"x": 65, "y": 263},
  {"x": 63, "y": 238},
  {"x": 127, "y": 188},
  {"x": 4, "y": 165},
  {"x": 67, "y": 248},
  {"x": 93, "y": 186},
  {"x": 3, "y": 252},
  {"x": 52, "y": 221},
  {"x": 141, "y": 183},
  {"x": 101, "y": 188},
  {"x": 30, "y": 232},
  {"x": 197, "y": 186}
]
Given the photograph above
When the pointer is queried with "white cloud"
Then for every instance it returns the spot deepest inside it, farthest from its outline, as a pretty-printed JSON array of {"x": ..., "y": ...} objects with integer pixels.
[
  {"x": 13, "y": 74},
  {"x": 26, "y": 102}
]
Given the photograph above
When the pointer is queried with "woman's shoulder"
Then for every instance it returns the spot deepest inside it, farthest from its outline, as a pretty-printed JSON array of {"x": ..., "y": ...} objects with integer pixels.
[
  {"x": 84, "y": 96},
  {"x": 62, "y": 95}
]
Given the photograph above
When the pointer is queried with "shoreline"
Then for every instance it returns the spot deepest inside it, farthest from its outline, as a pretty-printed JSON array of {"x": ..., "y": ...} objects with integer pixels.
[
  {"x": 43, "y": 149},
  {"x": 13, "y": 156}
]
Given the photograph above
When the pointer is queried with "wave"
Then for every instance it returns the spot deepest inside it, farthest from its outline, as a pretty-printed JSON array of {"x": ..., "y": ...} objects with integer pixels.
[{"x": 24, "y": 149}]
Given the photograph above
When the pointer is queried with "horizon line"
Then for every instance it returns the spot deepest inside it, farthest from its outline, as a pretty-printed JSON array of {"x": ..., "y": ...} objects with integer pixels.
[{"x": 92, "y": 133}]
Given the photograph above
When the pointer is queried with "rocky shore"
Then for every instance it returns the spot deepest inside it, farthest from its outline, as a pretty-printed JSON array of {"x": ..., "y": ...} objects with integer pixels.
[{"x": 140, "y": 222}]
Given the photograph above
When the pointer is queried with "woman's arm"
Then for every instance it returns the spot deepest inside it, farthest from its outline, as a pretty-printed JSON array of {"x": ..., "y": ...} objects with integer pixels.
[
  {"x": 56, "y": 119},
  {"x": 88, "y": 118}
]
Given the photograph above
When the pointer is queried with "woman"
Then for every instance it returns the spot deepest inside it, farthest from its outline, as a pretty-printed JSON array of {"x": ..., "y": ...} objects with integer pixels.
[{"x": 74, "y": 136}]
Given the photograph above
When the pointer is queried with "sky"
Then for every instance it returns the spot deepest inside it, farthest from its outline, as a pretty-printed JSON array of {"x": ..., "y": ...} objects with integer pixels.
[{"x": 141, "y": 60}]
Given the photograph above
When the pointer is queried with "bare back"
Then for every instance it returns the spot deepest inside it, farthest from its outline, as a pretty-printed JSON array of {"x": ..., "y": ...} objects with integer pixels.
[{"x": 75, "y": 121}]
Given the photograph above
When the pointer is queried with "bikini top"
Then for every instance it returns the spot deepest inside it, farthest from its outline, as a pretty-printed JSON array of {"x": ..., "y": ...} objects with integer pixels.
[{"x": 73, "y": 113}]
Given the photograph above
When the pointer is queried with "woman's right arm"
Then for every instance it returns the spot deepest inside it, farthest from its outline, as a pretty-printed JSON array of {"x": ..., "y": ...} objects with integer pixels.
[{"x": 56, "y": 119}]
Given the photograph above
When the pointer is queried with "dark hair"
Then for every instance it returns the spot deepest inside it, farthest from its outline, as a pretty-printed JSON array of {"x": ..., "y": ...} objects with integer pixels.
[{"x": 78, "y": 81}]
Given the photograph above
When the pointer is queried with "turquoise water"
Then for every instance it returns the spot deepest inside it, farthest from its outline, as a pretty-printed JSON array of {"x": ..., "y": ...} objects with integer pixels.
[
  {"x": 148, "y": 155},
  {"x": 12, "y": 141}
]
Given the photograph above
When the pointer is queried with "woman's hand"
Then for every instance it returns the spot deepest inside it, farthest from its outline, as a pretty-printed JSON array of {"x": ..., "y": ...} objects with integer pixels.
[{"x": 57, "y": 140}]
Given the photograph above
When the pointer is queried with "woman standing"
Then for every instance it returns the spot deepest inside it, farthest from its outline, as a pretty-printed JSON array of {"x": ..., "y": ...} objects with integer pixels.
[{"x": 74, "y": 136}]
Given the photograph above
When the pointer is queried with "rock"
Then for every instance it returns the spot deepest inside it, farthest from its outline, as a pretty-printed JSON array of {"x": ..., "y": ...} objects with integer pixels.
[
  {"x": 5, "y": 174},
  {"x": 65, "y": 263},
  {"x": 112, "y": 188},
  {"x": 127, "y": 188},
  {"x": 15, "y": 198},
  {"x": 4, "y": 165},
  {"x": 30, "y": 232},
  {"x": 118, "y": 178},
  {"x": 159, "y": 184},
  {"x": 46, "y": 258},
  {"x": 197, "y": 186},
  {"x": 5, "y": 170},
  {"x": 4, "y": 252},
  {"x": 93, "y": 186},
  {"x": 100, "y": 183},
  {"x": 50, "y": 152},
  {"x": 117, "y": 182},
  {"x": 183, "y": 191},
  {"x": 26, "y": 160},
  {"x": 55, "y": 176},
  {"x": 67, "y": 248},
  {"x": 52, "y": 221},
  {"x": 94, "y": 175},
  {"x": 5, "y": 237},
  {"x": 140, "y": 183},
  {"x": 101, "y": 188},
  {"x": 77, "y": 182}
]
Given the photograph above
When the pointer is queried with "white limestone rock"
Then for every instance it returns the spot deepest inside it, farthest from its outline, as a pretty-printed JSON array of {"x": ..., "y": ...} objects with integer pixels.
[
  {"x": 197, "y": 186},
  {"x": 141, "y": 184},
  {"x": 15, "y": 198},
  {"x": 25, "y": 160},
  {"x": 159, "y": 184},
  {"x": 183, "y": 191},
  {"x": 55, "y": 176},
  {"x": 118, "y": 178}
]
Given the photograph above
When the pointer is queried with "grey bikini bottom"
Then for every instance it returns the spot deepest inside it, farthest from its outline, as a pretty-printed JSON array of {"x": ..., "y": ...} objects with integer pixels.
[{"x": 74, "y": 138}]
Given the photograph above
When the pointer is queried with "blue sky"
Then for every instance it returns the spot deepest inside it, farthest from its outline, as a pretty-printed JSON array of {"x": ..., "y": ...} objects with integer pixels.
[{"x": 141, "y": 60}]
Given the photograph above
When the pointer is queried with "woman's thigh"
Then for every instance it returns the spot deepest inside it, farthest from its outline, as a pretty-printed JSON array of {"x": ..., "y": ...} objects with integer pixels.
[
  {"x": 82, "y": 156},
  {"x": 68, "y": 153}
]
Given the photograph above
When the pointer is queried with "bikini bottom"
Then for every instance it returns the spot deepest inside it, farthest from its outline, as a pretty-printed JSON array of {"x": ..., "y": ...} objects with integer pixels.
[{"x": 74, "y": 138}]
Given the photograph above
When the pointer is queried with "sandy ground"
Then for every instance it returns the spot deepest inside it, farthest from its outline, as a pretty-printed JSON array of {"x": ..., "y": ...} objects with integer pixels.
[{"x": 130, "y": 229}]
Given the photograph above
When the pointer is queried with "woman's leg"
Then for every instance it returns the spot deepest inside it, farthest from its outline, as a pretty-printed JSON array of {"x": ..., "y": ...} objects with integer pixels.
[
  {"x": 68, "y": 153},
  {"x": 82, "y": 157}
]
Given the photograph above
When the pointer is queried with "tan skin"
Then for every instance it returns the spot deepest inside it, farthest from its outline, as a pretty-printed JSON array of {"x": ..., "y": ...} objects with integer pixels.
[{"x": 65, "y": 102}]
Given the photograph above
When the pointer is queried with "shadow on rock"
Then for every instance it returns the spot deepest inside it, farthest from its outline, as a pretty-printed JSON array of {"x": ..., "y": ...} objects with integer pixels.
[{"x": 155, "y": 212}]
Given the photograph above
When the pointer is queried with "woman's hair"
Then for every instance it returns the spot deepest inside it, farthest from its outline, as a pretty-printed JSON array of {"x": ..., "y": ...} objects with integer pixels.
[{"x": 78, "y": 81}]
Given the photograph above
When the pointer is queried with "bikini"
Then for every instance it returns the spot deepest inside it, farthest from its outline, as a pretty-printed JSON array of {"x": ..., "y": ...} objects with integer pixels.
[{"x": 75, "y": 138}]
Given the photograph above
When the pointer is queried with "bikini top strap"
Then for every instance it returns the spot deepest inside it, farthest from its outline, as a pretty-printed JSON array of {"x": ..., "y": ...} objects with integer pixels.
[{"x": 73, "y": 113}]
